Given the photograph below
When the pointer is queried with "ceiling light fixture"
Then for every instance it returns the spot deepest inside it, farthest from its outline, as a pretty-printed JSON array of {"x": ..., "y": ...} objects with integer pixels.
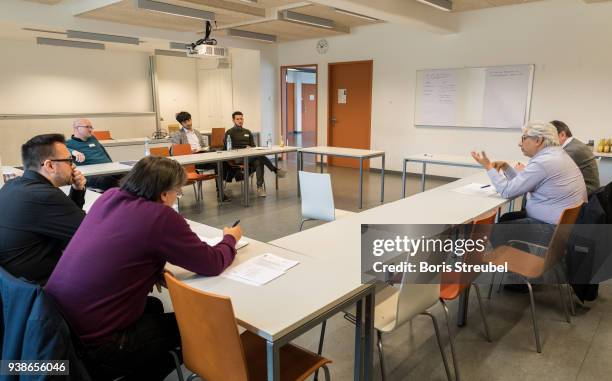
[
  {"x": 69, "y": 43},
  {"x": 358, "y": 15},
  {"x": 251, "y": 35},
  {"x": 175, "y": 10},
  {"x": 102, "y": 37},
  {"x": 301, "y": 18},
  {"x": 443, "y": 5}
]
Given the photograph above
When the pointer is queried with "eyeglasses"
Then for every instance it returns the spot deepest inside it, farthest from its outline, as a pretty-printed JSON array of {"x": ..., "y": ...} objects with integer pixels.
[
  {"x": 88, "y": 127},
  {"x": 523, "y": 137},
  {"x": 179, "y": 193},
  {"x": 69, "y": 160}
]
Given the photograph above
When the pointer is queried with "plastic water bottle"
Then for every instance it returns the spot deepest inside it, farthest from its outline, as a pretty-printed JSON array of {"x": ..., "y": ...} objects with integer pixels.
[
  {"x": 269, "y": 141},
  {"x": 147, "y": 151},
  {"x": 229, "y": 143}
]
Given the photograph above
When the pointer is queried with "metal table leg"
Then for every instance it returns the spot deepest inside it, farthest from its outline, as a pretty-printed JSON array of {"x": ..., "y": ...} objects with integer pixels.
[
  {"x": 273, "y": 361},
  {"x": 360, "y": 183},
  {"x": 276, "y": 165},
  {"x": 359, "y": 358},
  {"x": 246, "y": 181},
  {"x": 382, "y": 181},
  {"x": 298, "y": 160},
  {"x": 462, "y": 307},
  {"x": 321, "y": 162},
  {"x": 369, "y": 336},
  {"x": 220, "y": 181},
  {"x": 423, "y": 177},
  {"x": 404, "y": 178}
]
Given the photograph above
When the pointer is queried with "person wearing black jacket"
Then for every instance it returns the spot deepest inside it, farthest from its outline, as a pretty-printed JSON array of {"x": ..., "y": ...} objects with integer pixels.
[{"x": 38, "y": 219}]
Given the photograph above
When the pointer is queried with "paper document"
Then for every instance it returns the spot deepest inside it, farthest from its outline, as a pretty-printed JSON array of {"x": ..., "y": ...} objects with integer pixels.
[
  {"x": 260, "y": 148},
  {"x": 212, "y": 241},
  {"x": 131, "y": 163},
  {"x": 260, "y": 270},
  {"x": 475, "y": 189}
]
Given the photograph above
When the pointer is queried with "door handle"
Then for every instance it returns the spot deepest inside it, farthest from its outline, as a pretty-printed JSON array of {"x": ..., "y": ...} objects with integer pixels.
[{"x": 333, "y": 120}]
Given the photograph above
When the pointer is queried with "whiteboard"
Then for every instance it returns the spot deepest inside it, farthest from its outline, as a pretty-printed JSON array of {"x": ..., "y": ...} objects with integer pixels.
[
  {"x": 490, "y": 97},
  {"x": 39, "y": 79}
]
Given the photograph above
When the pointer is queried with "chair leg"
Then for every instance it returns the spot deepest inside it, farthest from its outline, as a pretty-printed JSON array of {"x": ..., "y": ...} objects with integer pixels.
[
  {"x": 302, "y": 224},
  {"x": 501, "y": 283},
  {"x": 491, "y": 286},
  {"x": 192, "y": 376},
  {"x": 177, "y": 365},
  {"x": 381, "y": 355},
  {"x": 434, "y": 321},
  {"x": 482, "y": 313},
  {"x": 320, "y": 349},
  {"x": 326, "y": 372},
  {"x": 570, "y": 297},
  {"x": 536, "y": 331},
  {"x": 451, "y": 340},
  {"x": 195, "y": 192},
  {"x": 562, "y": 297}
]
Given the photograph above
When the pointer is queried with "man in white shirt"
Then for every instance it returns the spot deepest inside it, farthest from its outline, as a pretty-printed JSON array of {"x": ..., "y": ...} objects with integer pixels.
[{"x": 188, "y": 135}]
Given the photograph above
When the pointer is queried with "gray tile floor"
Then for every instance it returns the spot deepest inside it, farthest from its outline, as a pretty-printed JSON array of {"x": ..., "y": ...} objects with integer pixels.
[{"x": 580, "y": 351}]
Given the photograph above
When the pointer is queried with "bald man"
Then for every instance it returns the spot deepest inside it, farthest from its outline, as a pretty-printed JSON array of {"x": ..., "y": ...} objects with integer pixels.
[{"x": 88, "y": 150}]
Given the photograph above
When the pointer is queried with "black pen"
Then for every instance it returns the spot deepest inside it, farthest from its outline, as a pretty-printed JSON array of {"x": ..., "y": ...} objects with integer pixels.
[
  {"x": 485, "y": 186},
  {"x": 236, "y": 223}
]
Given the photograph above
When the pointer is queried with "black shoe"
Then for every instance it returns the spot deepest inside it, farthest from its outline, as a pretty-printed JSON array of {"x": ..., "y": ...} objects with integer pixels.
[
  {"x": 519, "y": 288},
  {"x": 239, "y": 176},
  {"x": 226, "y": 197}
]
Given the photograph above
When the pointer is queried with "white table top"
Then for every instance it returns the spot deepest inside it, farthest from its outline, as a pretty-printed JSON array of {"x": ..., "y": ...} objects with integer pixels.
[
  {"x": 602, "y": 154},
  {"x": 103, "y": 169},
  {"x": 132, "y": 141},
  {"x": 90, "y": 197},
  {"x": 341, "y": 151},
  {"x": 466, "y": 161},
  {"x": 437, "y": 206},
  {"x": 8, "y": 170},
  {"x": 284, "y": 304}
]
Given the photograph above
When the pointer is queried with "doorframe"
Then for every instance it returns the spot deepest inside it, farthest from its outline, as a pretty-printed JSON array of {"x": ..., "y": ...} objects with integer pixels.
[
  {"x": 283, "y": 96},
  {"x": 331, "y": 97}
]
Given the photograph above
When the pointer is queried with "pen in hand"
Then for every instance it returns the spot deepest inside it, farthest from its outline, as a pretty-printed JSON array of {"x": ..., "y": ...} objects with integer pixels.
[
  {"x": 485, "y": 186},
  {"x": 236, "y": 223}
]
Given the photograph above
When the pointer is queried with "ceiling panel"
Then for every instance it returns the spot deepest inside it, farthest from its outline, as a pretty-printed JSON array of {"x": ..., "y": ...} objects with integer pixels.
[
  {"x": 270, "y": 3},
  {"x": 50, "y": 2},
  {"x": 470, "y": 5},
  {"x": 289, "y": 31},
  {"x": 125, "y": 12},
  {"x": 329, "y": 13}
]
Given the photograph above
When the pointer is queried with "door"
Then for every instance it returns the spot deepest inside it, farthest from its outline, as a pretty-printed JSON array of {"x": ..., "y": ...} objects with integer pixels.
[
  {"x": 309, "y": 115},
  {"x": 350, "y": 109},
  {"x": 290, "y": 109}
]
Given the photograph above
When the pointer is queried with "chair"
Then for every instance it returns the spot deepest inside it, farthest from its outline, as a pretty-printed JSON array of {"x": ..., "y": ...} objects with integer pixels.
[
  {"x": 215, "y": 351},
  {"x": 216, "y": 138},
  {"x": 317, "y": 198},
  {"x": 159, "y": 151},
  {"x": 173, "y": 128},
  {"x": 193, "y": 177},
  {"x": 102, "y": 135},
  {"x": 531, "y": 266}
]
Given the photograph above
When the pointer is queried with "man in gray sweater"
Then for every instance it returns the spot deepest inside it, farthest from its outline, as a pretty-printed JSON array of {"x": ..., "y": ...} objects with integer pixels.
[{"x": 581, "y": 154}]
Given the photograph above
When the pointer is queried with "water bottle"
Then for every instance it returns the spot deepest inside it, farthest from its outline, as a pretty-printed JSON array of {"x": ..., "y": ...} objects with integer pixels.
[
  {"x": 147, "y": 151},
  {"x": 229, "y": 143},
  {"x": 269, "y": 141}
]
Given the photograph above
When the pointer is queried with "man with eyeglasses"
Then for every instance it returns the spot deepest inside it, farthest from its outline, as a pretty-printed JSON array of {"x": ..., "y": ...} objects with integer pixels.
[
  {"x": 38, "y": 219},
  {"x": 88, "y": 150}
]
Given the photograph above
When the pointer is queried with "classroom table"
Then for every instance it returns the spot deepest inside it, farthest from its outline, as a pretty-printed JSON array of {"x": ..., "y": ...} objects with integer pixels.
[
  {"x": 360, "y": 154},
  {"x": 438, "y": 159},
  {"x": 284, "y": 309},
  {"x": 340, "y": 239},
  {"x": 200, "y": 158},
  {"x": 131, "y": 148}
]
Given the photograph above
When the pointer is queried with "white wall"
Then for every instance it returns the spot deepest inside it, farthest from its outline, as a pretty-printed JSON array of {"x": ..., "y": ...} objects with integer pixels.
[
  {"x": 565, "y": 39},
  {"x": 246, "y": 82},
  {"x": 177, "y": 87}
]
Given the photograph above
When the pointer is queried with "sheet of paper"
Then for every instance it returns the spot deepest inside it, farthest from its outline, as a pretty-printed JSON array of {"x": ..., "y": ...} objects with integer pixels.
[
  {"x": 260, "y": 270},
  {"x": 212, "y": 241},
  {"x": 260, "y": 148},
  {"x": 475, "y": 189}
]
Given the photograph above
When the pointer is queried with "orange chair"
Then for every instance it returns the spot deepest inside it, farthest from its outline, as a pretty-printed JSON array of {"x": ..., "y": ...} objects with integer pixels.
[
  {"x": 531, "y": 266},
  {"x": 216, "y": 138},
  {"x": 160, "y": 151},
  {"x": 215, "y": 351},
  {"x": 193, "y": 177},
  {"x": 454, "y": 283},
  {"x": 102, "y": 135}
]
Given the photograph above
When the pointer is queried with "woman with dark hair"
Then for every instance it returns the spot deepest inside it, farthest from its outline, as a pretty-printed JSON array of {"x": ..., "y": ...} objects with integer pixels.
[{"x": 116, "y": 257}]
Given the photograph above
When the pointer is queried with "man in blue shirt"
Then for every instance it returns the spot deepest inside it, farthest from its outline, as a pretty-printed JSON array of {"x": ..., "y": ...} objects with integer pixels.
[{"x": 88, "y": 150}]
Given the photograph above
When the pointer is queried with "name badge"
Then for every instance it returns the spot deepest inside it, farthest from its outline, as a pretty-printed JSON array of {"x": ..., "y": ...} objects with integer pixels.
[
  {"x": 92, "y": 145},
  {"x": 246, "y": 135}
]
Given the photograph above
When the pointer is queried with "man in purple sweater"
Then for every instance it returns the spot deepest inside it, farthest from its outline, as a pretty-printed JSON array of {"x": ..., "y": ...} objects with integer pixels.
[{"x": 116, "y": 257}]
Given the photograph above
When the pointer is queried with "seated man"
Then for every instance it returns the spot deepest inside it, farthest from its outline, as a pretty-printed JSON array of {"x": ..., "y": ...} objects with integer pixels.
[
  {"x": 88, "y": 150},
  {"x": 38, "y": 219},
  {"x": 187, "y": 135},
  {"x": 116, "y": 257},
  {"x": 551, "y": 182},
  {"x": 581, "y": 154},
  {"x": 243, "y": 138}
]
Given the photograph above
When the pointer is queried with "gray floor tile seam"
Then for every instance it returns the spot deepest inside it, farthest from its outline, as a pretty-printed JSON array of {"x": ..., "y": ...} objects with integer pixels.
[{"x": 586, "y": 354}]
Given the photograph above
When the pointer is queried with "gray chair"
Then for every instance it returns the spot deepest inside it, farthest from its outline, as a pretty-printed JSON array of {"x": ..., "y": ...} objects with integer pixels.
[{"x": 318, "y": 198}]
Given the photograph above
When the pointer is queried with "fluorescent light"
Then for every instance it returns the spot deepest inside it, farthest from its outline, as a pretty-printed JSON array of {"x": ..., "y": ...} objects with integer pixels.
[
  {"x": 69, "y": 43},
  {"x": 301, "y": 18},
  {"x": 251, "y": 35},
  {"x": 102, "y": 37},
  {"x": 443, "y": 5},
  {"x": 179, "y": 45},
  {"x": 358, "y": 15},
  {"x": 171, "y": 53},
  {"x": 175, "y": 10},
  {"x": 249, "y": 1}
]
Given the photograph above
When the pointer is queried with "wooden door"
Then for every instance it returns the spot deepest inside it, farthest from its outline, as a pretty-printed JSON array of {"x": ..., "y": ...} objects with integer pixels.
[
  {"x": 290, "y": 108},
  {"x": 350, "y": 108},
  {"x": 309, "y": 115}
]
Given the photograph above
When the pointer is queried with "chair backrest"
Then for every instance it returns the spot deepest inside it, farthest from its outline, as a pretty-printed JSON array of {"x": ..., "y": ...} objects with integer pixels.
[
  {"x": 102, "y": 135},
  {"x": 183, "y": 149},
  {"x": 558, "y": 242},
  {"x": 210, "y": 341},
  {"x": 173, "y": 128},
  {"x": 216, "y": 137},
  {"x": 317, "y": 196},
  {"x": 159, "y": 151}
]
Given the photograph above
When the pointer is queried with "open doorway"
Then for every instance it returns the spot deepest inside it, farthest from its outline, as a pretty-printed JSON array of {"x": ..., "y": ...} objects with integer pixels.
[{"x": 299, "y": 99}]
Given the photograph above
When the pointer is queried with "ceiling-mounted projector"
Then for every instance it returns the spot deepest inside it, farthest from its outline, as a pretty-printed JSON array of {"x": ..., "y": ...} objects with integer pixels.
[{"x": 206, "y": 47}]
